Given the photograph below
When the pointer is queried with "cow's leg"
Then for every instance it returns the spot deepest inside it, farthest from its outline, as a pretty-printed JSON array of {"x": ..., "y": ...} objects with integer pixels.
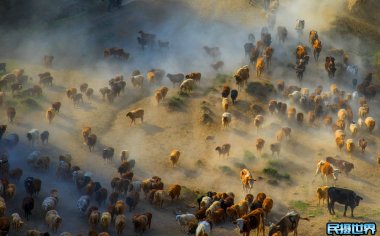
[
  {"x": 332, "y": 207},
  {"x": 329, "y": 207},
  {"x": 352, "y": 212},
  {"x": 345, "y": 210}
]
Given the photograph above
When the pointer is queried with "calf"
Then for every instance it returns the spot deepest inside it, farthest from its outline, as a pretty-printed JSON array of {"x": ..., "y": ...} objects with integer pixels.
[
  {"x": 343, "y": 196},
  {"x": 322, "y": 194}
]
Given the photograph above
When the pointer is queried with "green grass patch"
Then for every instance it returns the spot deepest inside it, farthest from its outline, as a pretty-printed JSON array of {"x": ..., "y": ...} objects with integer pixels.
[
  {"x": 226, "y": 170},
  {"x": 305, "y": 208},
  {"x": 272, "y": 172},
  {"x": 176, "y": 102},
  {"x": 317, "y": 211},
  {"x": 11, "y": 65},
  {"x": 208, "y": 90},
  {"x": 221, "y": 78},
  {"x": 30, "y": 104},
  {"x": 249, "y": 156},
  {"x": 260, "y": 89},
  {"x": 239, "y": 165},
  {"x": 199, "y": 163},
  {"x": 275, "y": 163},
  {"x": 299, "y": 205}
]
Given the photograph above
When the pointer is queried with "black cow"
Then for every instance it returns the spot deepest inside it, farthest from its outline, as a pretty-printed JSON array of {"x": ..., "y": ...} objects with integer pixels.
[
  {"x": 27, "y": 206},
  {"x": 3, "y": 128},
  {"x": 108, "y": 154},
  {"x": 234, "y": 94},
  {"x": 343, "y": 196}
]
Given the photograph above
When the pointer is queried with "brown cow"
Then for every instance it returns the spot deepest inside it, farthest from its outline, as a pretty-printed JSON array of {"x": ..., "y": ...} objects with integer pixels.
[
  {"x": 56, "y": 106},
  {"x": 48, "y": 60},
  {"x": 342, "y": 165},
  {"x": 11, "y": 113},
  {"x": 268, "y": 53},
  {"x": 196, "y": 76},
  {"x": 327, "y": 170},
  {"x": 50, "y": 113},
  {"x": 259, "y": 67},
  {"x": 317, "y": 48},
  {"x": 259, "y": 145},
  {"x": 137, "y": 113},
  {"x": 140, "y": 223},
  {"x": 5, "y": 225},
  {"x": 288, "y": 224},
  {"x": 251, "y": 221},
  {"x": 174, "y": 191}
]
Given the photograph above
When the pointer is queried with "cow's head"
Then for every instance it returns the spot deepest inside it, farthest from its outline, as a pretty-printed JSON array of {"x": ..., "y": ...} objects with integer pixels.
[
  {"x": 251, "y": 181},
  {"x": 240, "y": 223},
  {"x": 336, "y": 172},
  {"x": 319, "y": 164},
  {"x": 192, "y": 227},
  {"x": 357, "y": 199},
  {"x": 273, "y": 229},
  {"x": 348, "y": 166}
]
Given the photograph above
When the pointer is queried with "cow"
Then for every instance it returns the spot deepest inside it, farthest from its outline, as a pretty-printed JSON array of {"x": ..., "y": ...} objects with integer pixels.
[
  {"x": 48, "y": 60},
  {"x": 342, "y": 165},
  {"x": 327, "y": 171},
  {"x": 330, "y": 66},
  {"x": 108, "y": 153},
  {"x": 288, "y": 224},
  {"x": 251, "y": 221},
  {"x": 27, "y": 206},
  {"x": 343, "y": 196},
  {"x": 5, "y": 225},
  {"x": 247, "y": 180},
  {"x": 241, "y": 76}
]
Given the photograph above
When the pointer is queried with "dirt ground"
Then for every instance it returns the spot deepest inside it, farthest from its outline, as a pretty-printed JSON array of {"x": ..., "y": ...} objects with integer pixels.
[{"x": 150, "y": 143}]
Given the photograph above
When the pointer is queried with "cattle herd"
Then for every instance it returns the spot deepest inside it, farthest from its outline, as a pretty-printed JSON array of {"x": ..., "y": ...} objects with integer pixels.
[{"x": 326, "y": 108}]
